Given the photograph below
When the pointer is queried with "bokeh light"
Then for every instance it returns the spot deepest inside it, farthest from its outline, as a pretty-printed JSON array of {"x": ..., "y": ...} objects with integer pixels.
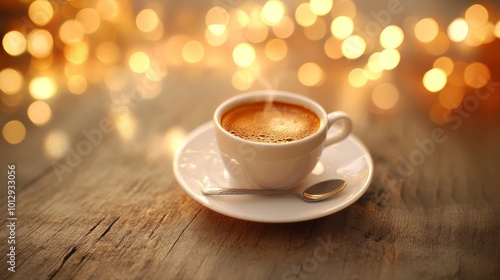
[
  {"x": 458, "y": 29},
  {"x": 39, "y": 112},
  {"x": 342, "y": 27},
  {"x": 333, "y": 48},
  {"x": 272, "y": 12},
  {"x": 389, "y": 59},
  {"x": 173, "y": 139},
  {"x": 372, "y": 74},
  {"x": 439, "y": 45},
  {"x": 89, "y": 19},
  {"x": 321, "y": 7},
  {"x": 476, "y": 15},
  {"x": 71, "y": 31},
  {"x": 173, "y": 49},
  {"x": 11, "y": 81},
  {"x": 375, "y": 63},
  {"x": 357, "y": 77},
  {"x": 111, "y": 41},
  {"x": 385, "y": 96},
  {"x": 139, "y": 62},
  {"x": 244, "y": 55},
  {"x": 284, "y": 28},
  {"x": 445, "y": 63},
  {"x": 476, "y": 75},
  {"x": 426, "y": 30},
  {"x": 256, "y": 32},
  {"x": 14, "y": 43},
  {"x": 353, "y": 47},
  {"x": 216, "y": 20},
  {"x": 242, "y": 19},
  {"x": 450, "y": 97},
  {"x": 391, "y": 37},
  {"x": 434, "y": 80},
  {"x": 147, "y": 20},
  {"x": 155, "y": 34},
  {"x": 242, "y": 79},
  {"x": 43, "y": 87},
  {"x": 14, "y": 132},
  {"x": 479, "y": 35},
  {"x": 304, "y": 16},
  {"x": 77, "y": 84},
  {"x": 316, "y": 31},
  {"x": 40, "y": 43},
  {"x": 497, "y": 29},
  {"x": 310, "y": 74},
  {"x": 107, "y": 52},
  {"x": 41, "y": 12},
  {"x": 276, "y": 49},
  {"x": 126, "y": 125},
  {"x": 193, "y": 51},
  {"x": 76, "y": 53},
  {"x": 108, "y": 9},
  {"x": 56, "y": 144},
  {"x": 215, "y": 40}
]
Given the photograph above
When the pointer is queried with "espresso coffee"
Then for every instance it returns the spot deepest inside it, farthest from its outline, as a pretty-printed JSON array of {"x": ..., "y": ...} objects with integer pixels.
[{"x": 270, "y": 122}]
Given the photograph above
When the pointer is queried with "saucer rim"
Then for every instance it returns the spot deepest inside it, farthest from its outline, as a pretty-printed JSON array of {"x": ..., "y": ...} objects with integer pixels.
[{"x": 204, "y": 127}]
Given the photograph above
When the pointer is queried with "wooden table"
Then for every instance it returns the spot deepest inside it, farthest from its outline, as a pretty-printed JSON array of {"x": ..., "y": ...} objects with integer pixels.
[
  {"x": 110, "y": 208},
  {"x": 119, "y": 213}
]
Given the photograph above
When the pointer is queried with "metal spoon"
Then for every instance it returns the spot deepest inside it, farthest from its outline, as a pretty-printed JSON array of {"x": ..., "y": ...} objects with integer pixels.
[{"x": 316, "y": 192}]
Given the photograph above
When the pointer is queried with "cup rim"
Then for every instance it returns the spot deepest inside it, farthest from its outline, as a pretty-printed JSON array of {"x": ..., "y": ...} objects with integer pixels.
[{"x": 261, "y": 95}]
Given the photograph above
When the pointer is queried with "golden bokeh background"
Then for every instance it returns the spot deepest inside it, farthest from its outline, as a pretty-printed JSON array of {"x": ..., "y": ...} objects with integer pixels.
[{"x": 55, "y": 48}]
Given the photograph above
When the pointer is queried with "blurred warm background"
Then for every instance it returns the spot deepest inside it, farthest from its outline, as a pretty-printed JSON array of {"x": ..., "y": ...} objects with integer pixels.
[{"x": 442, "y": 53}]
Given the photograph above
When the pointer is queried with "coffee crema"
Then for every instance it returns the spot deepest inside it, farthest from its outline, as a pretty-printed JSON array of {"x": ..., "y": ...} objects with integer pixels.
[{"x": 270, "y": 122}]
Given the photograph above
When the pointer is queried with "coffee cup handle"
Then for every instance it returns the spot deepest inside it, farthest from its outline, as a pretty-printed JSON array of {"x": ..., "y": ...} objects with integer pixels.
[{"x": 343, "y": 126}]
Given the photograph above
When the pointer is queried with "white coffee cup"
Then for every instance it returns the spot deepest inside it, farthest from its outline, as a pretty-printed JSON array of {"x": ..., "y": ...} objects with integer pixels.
[{"x": 276, "y": 165}]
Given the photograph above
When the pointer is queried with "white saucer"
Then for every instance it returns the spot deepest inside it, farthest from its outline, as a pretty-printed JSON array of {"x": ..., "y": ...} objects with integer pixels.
[{"x": 198, "y": 163}]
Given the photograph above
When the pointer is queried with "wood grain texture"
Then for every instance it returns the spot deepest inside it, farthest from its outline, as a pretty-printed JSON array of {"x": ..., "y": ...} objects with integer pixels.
[{"x": 120, "y": 214}]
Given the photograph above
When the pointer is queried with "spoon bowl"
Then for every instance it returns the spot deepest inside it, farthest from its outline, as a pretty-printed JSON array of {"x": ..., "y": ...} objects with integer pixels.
[{"x": 317, "y": 192}]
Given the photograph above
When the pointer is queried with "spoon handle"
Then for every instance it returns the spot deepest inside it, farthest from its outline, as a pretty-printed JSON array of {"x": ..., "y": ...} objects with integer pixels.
[{"x": 224, "y": 191}]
